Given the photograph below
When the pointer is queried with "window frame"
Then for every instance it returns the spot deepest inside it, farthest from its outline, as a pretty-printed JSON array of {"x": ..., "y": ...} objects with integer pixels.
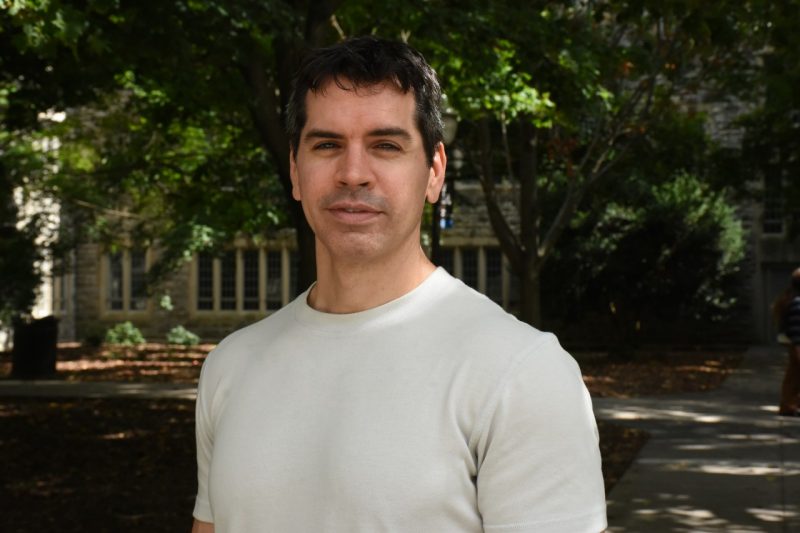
[
  {"x": 773, "y": 205},
  {"x": 263, "y": 279},
  {"x": 481, "y": 250},
  {"x": 127, "y": 283}
]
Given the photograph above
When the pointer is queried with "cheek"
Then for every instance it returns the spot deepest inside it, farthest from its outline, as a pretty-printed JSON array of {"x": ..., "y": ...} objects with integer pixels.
[
  {"x": 413, "y": 202},
  {"x": 304, "y": 186}
]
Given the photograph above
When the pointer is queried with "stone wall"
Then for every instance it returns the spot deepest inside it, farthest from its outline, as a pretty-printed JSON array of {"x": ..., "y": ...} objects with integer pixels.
[
  {"x": 471, "y": 218},
  {"x": 87, "y": 292}
]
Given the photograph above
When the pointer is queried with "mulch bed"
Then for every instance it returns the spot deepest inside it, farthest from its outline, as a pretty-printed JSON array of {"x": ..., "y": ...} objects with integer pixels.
[
  {"x": 129, "y": 465},
  {"x": 94, "y": 465},
  {"x": 151, "y": 362},
  {"x": 650, "y": 373}
]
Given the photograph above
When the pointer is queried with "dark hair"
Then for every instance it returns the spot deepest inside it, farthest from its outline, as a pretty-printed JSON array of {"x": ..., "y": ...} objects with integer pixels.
[{"x": 364, "y": 62}]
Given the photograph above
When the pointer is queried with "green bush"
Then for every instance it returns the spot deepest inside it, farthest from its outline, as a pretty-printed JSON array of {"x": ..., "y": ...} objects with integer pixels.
[
  {"x": 181, "y": 335},
  {"x": 124, "y": 333},
  {"x": 671, "y": 253}
]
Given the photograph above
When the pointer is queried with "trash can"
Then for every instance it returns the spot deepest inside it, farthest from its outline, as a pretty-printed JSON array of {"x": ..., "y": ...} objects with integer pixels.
[{"x": 35, "y": 346}]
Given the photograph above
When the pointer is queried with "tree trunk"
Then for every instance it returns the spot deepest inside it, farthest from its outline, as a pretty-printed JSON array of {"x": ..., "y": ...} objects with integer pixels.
[
  {"x": 268, "y": 114},
  {"x": 530, "y": 309}
]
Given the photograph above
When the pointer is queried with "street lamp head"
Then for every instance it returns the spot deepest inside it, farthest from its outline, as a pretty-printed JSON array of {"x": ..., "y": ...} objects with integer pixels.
[{"x": 450, "y": 120}]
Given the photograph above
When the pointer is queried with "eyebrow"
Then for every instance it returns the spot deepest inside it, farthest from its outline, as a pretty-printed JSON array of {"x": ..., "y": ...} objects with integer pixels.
[
  {"x": 390, "y": 132},
  {"x": 379, "y": 132},
  {"x": 322, "y": 134}
]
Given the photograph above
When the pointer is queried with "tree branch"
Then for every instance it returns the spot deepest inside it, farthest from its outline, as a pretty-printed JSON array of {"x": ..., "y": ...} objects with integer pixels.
[
  {"x": 530, "y": 212},
  {"x": 560, "y": 222},
  {"x": 265, "y": 110},
  {"x": 505, "y": 235}
]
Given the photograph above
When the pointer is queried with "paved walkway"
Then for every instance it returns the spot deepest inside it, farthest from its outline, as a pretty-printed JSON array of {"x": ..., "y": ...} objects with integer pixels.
[
  {"x": 97, "y": 389},
  {"x": 716, "y": 461}
]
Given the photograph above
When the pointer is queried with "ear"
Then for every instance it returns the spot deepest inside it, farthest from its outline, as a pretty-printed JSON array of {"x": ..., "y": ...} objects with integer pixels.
[
  {"x": 293, "y": 177},
  {"x": 436, "y": 174}
]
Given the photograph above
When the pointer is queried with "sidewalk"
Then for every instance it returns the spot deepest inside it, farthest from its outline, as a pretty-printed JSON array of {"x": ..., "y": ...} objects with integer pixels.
[
  {"x": 95, "y": 389},
  {"x": 717, "y": 461}
]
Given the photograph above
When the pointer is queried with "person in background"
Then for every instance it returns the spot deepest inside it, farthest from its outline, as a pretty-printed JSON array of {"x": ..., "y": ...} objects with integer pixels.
[{"x": 786, "y": 311}]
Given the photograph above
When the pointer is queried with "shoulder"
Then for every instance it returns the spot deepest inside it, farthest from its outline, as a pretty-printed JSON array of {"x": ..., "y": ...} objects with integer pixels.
[
  {"x": 477, "y": 334},
  {"x": 234, "y": 351},
  {"x": 472, "y": 319}
]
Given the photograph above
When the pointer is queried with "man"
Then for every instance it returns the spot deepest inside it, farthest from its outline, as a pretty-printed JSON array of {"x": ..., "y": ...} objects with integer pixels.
[{"x": 389, "y": 396}]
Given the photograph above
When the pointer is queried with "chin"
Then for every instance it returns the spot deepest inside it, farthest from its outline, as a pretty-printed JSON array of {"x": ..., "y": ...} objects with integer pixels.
[{"x": 353, "y": 247}]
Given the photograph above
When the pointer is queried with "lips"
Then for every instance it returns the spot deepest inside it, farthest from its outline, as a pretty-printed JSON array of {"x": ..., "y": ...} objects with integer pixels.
[{"x": 353, "y": 212}]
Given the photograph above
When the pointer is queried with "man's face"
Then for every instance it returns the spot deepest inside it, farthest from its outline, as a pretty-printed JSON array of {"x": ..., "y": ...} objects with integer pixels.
[{"x": 362, "y": 175}]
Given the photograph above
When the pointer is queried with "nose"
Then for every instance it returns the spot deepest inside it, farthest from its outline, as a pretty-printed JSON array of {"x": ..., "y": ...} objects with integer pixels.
[{"x": 354, "y": 169}]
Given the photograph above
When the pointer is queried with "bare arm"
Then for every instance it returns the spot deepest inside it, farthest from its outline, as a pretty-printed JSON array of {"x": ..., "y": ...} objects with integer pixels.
[{"x": 202, "y": 527}]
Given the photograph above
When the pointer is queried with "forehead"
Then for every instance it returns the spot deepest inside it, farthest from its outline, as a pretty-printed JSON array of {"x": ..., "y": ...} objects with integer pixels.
[{"x": 344, "y": 104}]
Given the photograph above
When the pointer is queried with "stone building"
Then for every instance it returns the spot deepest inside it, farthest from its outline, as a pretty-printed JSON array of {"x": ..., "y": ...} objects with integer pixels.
[
  {"x": 213, "y": 295},
  {"x": 772, "y": 254}
]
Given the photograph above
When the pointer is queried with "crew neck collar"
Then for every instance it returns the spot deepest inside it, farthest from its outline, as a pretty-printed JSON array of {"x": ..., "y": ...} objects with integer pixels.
[{"x": 346, "y": 322}]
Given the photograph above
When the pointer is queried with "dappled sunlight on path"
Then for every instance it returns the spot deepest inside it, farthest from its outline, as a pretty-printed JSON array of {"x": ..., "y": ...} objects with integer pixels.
[
  {"x": 96, "y": 389},
  {"x": 716, "y": 461}
]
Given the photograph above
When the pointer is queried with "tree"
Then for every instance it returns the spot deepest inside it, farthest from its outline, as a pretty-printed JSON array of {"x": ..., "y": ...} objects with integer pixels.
[
  {"x": 556, "y": 94},
  {"x": 660, "y": 243},
  {"x": 667, "y": 252},
  {"x": 21, "y": 234},
  {"x": 19, "y": 255},
  {"x": 26, "y": 90},
  {"x": 553, "y": 99},
  {"x": 611, "y": 70},
  {"x": 210, "y": 71}
]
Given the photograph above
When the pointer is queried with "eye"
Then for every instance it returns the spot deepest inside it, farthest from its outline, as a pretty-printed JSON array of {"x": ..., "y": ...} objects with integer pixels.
[
  {"x": 388, "y": 147},
  {"x": 326, "y": 145}
]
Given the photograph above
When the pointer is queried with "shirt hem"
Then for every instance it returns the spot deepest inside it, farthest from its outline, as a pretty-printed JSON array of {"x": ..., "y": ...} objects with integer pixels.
[
  {"x": 590, "y": 523},
  {"x": 202, "y": 512}
]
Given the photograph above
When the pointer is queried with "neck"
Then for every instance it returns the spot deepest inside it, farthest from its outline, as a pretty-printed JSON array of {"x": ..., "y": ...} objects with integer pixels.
[{"x": 350, "y": 287}]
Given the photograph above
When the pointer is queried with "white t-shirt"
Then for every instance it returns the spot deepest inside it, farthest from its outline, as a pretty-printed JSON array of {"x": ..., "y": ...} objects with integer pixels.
[{"x": 435, "y": 412}]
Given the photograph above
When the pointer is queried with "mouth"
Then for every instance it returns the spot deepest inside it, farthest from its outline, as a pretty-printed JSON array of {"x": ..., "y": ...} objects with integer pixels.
[{"x": 351, "y": 213}]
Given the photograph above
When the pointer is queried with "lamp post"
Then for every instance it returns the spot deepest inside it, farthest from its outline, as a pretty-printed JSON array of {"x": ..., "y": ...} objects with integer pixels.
[{"x": 450, "y": 119}]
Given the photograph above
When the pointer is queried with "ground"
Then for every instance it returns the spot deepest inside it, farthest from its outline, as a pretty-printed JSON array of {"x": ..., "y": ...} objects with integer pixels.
[{"x": 128, "y": 465}]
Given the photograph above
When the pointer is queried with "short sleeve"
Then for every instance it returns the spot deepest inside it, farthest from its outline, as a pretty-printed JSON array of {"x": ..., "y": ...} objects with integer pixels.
[
  {"x": 205, "y": 444},
  {"x": 538, "y": 453}
]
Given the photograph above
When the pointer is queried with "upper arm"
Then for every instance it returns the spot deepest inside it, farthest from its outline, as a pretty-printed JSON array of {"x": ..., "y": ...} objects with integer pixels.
[
  {"x": 540, "y": 468},
  {"x": 202, "y": 527},
  {"x": 205, "y": 444}
]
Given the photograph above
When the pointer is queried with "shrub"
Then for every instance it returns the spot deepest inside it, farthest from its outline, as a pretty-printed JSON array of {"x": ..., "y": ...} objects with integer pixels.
[
  {"x": 182, "y": 336},
  {"x": 670, "y": 253},
  {"x": 124, "y": 333}
]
